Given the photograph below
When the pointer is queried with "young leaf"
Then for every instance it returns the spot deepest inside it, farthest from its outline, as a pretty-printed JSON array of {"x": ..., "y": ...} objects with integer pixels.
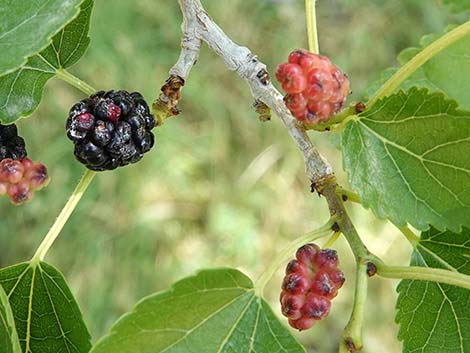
[
  {"x": 21, "y": 90},
  {"x": 458, "y": 5},
  {"x": 435, "y": 317},
  {"x": 448, "y": 71},
  {"x": 215, "y": 311},
  {"x": 8, "y": 336},
  {"x": 47, "y": 317},
  {"x": 27, "y": 27},
  {"x": 408, "y": 158}
]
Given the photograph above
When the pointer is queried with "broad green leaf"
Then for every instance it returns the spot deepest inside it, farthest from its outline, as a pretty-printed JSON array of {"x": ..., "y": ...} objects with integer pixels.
[
  {"x": 408, "y": 156},
  {"x": 21, "y": 90},
  {"x": 8, "y": 337},
  {"x": 458, "y": 5},
  {"x": 448, "y": 71},
  {"x": 215, "y": 311},
  {"x": 27, "y": 27},
  {"x": 434, "y": 317},
  {"x": 48, "y": 320}
]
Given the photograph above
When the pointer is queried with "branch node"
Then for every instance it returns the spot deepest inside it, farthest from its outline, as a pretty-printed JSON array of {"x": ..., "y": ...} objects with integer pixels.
[
  {"x": 335, "y": 227},
  {"x": 166, "y": 103},
  {"x": 263, "y": 77},
  {"x": 351, "y": 346},
  {"x": 359, "y": 107},
  {"x": 263, "y": 110},
  {"x": 371, "y": 269}
]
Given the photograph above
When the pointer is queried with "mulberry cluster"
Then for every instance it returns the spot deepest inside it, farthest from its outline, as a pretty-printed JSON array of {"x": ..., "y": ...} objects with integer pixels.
[
  {"x": 19, "y": 176},
  {"x": 11, "y": 145},
  {"x": 316, "y": 89},
  {"x": 311, "y": 281},
  {"x": 110, "y": 129}
]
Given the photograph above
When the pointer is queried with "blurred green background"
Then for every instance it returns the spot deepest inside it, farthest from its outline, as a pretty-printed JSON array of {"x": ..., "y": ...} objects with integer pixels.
[{"x": 220, "y": 188}]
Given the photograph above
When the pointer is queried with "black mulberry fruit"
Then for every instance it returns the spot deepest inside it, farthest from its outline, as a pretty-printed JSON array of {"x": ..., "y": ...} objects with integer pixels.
[
  {"x": 11, "y": 145},
  {"x": 111, "y": 129}
]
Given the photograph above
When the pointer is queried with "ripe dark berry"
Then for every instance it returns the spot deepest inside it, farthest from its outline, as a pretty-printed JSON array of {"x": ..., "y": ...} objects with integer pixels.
[
  {"x": 11, "y": 145},
  {"x": 311, "y": 281},
  {"x": 111, "y": 129},
  {"x": 316, "y": 89}
]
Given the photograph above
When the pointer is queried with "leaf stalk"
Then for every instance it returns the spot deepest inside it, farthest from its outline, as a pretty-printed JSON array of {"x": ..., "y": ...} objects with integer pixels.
[
  {"x": 64, "y": 215},
  {"x": 419, "y": 60}
]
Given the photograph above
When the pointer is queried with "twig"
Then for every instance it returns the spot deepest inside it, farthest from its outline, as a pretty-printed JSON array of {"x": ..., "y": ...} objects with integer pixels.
[
  {"x": 198, "y": 25},
  {"x": 352, "y": 335}
]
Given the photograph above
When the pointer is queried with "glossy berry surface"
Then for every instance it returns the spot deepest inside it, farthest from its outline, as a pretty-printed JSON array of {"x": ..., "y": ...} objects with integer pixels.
[
  {"x": 20, "y": 178},
  {"x": 311, "y": 281},
  {"x": 11, "y": 145},
  {"x": 110, "y": 129},
  {"x": 316, "y": 89}
]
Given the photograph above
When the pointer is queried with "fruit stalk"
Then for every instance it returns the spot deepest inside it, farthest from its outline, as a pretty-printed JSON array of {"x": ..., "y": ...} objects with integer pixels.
[
  {"x": 424, "y": 274},
  {"x": 311, "y": 17},
  {"x": 64, "y": 215},
  {"x": 75, "y": 81},
  {"x": 351, "y": 339},
  {"x": 419, "y": 60}
]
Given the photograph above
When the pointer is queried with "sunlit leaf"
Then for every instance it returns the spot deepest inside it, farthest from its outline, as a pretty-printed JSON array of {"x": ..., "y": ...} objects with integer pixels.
[
  {"x": 27, "y": 27},
  {"x": 215, "y": 311},
  {"x": 408, "y": 158}
]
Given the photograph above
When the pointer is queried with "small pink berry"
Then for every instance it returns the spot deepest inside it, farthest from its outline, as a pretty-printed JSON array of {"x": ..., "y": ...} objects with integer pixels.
[
  {"x": 302, "y": 324},
  {"x": 37, "y": 176},
  {"x": 19, "y": 193},
  {"x": 11, "y": 170}
]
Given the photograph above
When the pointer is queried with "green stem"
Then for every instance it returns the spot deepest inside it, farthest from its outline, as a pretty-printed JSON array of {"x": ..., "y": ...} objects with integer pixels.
[
  {"x": 352, "y": 335},
  {"x": 64, "y": 215},
  {"x": 421, "y": 58},
  {"x": 410, "y": 235},
  {"x": 346, "y": 113},
  {"x": 348, "y": 195},
  {"x": 336, "y": 206},
  {"x": 287, "y": 253},
  {"x": 75, "y": 81},
  {"x": 424, "y": 274},
  {"x": 310, "y": 13},
  {"x": 331, "y": 240}
]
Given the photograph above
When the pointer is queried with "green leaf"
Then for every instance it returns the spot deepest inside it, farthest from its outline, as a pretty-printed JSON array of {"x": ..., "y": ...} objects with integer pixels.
[
  {"x": 214, "y": 311},
  {"x": 458, "y": 5},
  {"x": 27, "y": 27},
  {"x": 21, "y": 90},
  {"x": 408, "y": 158},
  {"x": 8, "y": 336},
  {"x": 434, "y": 317},
  {"x": 48, "y": 320},
  {"x": 447, "y": 72}
]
